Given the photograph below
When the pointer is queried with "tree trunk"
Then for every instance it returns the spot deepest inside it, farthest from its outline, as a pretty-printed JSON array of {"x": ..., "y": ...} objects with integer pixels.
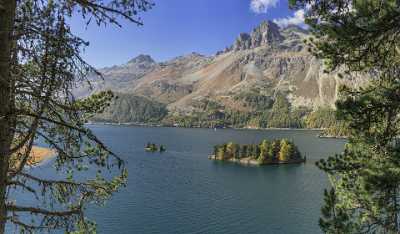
[{"x": 7, "y": 15}]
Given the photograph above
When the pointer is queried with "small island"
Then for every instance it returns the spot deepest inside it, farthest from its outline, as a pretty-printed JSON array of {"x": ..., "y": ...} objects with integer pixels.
[
  {"x": 151, "y": 147},
  {"x": 267, "y": 152}
]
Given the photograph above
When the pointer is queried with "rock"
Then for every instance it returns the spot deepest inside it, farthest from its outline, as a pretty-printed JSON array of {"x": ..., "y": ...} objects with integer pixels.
[
  {"x": 243, "y": 42},
  {"x": 267, "y": 34}
]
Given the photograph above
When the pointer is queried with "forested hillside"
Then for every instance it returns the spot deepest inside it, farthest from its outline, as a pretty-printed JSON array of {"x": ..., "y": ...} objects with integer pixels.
[
  {"x": 270, "y": 113},
  {"x": 127, "y": 108}
]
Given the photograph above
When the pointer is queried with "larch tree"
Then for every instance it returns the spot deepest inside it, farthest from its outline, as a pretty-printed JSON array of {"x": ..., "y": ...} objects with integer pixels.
[
  {"x": 274, "y": 149},
  {"x": 40, "y": 64},
  {"x": 230, "y": 150},
  {"x": 264, "y": 148},
  {"x": 286, "y": 150},
  {"x": 361, "y": 37}
]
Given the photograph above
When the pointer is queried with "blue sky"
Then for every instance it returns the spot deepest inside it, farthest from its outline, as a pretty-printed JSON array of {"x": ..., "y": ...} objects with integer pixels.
[{"x": 178, "y": 27}]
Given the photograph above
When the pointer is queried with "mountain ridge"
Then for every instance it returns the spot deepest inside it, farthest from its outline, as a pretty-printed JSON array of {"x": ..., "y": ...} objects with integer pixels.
[{"x": 258, "y": 66}]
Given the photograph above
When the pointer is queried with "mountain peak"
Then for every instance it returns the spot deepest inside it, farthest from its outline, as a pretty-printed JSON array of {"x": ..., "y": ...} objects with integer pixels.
[
  {"x": 266, "y": 34},
  {"x": 142, "y": 58}
]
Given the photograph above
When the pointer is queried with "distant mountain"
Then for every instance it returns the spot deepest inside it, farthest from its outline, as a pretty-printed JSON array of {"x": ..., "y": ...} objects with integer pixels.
[
  {"x": 117, "y": 78},
  {"x": 239, "y": 80}
]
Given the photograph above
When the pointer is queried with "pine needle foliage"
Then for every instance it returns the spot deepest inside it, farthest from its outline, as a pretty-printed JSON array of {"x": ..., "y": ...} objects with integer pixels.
[
  {"x": 361, "y": 38},
  {"x": 40, "y": 64}
]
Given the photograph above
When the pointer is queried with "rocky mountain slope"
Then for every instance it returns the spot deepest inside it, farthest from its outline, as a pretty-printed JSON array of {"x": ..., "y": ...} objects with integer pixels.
[{"x": 256, "y": 68}]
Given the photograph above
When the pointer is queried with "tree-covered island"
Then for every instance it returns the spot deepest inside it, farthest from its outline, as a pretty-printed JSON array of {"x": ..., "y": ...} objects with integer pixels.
[
  {"x": 151, "y": 147},
  {"x": 280, "y": 151}
]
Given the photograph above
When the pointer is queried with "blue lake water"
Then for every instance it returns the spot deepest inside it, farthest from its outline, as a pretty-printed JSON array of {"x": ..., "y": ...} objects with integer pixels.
[{"x": 181, "y": 191}]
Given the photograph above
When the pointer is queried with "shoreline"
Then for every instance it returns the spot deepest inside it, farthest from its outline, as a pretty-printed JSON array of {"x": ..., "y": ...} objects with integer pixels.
[
  {"x": 333, "y": 137},
  {"x": 169, "y": 126},
  {"x": 40, "y": 155},
  {"x": 254, "y": 162},
  {"x": 248, "y": 128}
]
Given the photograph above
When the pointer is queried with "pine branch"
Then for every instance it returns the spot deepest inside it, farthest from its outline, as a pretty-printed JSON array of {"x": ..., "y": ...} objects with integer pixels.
[
  {"x": 23, "y": 185},
  {"x": 29, "y": 227},
  {"x": 40, "y": 211},
  {"x": 62, "y": 122},
  {"x": 104, "y": 9},
  {"x": 61, "y": 182}
]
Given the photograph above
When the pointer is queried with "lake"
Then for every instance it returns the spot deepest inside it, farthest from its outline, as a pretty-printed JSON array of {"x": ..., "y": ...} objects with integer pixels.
[{"x": 181, "y": 191}]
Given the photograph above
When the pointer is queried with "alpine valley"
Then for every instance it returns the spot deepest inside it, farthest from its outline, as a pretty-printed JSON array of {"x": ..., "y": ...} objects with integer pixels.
[{"x": 266, "y": 79}]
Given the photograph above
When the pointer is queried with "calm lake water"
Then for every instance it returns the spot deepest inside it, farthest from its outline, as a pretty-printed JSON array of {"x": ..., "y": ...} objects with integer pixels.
[{"x": 181, "y": 191}]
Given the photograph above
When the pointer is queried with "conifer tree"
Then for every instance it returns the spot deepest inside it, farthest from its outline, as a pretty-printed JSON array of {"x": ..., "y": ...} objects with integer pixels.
[
  {"x": 274, "y": 149},
  {"x": 264, "y": 148},
  {"x": 361, "y": 37},
  {"x": 257, "y": 151},
  {"x": 40, "y": 64},
  {"x": 286, "y": 150},
  {"x": 243, "y": 151},
  {"x": 249, "y": 150}
]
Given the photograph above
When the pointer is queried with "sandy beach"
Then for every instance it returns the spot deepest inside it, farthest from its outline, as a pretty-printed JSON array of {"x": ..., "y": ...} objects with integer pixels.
[{"x": 39, "y": 154}]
